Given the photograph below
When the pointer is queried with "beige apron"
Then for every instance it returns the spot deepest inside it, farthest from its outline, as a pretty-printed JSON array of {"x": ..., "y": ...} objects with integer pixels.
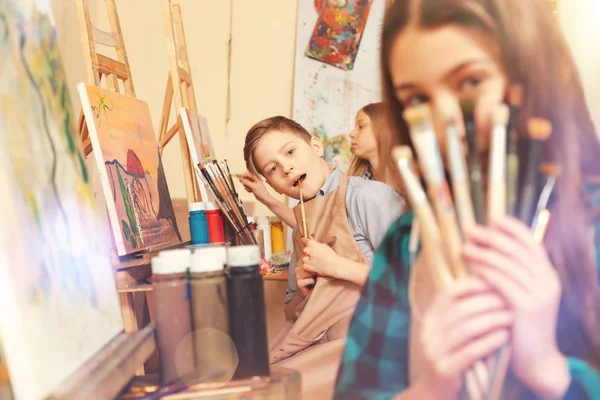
[{"x": 314, "y": 343}]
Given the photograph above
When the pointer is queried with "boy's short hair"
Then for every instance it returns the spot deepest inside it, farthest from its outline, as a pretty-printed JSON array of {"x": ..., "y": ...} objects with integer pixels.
[{"x": 261, "y": 128}]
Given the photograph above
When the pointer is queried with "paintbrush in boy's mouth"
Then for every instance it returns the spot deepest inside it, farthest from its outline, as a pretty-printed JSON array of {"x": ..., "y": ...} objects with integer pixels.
[{"x": 298, "y": 183}]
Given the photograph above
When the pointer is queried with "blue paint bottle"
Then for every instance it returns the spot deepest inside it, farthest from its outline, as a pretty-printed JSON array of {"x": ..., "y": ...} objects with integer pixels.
[{"x": 198, "y": 223}]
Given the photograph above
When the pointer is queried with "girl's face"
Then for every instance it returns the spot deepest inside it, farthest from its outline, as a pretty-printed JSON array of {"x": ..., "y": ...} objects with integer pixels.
[
  {"x": 364, "y": 144},
  {"x": 443, "y": 65}
]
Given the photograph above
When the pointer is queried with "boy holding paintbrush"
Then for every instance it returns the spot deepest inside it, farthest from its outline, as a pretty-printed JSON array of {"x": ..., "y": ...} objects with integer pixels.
[{"x": 341, "y": 221}]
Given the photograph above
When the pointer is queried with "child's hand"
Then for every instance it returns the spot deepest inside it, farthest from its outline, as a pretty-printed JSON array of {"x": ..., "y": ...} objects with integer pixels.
[
  {"x": 254, "y": 185},
  {"x": 509, "y": 259},
  {"x": 319, "y": 259},
  {"x": 465, "y": 323}
]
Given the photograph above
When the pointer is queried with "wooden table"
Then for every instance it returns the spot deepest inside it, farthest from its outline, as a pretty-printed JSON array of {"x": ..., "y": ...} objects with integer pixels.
[{"x": 281, "y": 384}]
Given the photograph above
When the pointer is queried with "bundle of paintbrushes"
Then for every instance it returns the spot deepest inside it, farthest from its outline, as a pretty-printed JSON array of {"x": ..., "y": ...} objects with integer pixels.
[
  {"x": 444, "y": 218},
  {"x": 217, "y": 177}
]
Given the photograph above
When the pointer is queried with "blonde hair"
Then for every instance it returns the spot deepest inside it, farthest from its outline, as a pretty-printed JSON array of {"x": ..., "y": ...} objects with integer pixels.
[{"x": 385, "y": 139}]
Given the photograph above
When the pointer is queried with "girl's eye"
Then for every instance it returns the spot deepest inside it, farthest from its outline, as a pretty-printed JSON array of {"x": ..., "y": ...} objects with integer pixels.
[
  {"x": 415, "y": 100},
  {"x": 272, "y": 169},
  {"x": 470, "y": 83}
]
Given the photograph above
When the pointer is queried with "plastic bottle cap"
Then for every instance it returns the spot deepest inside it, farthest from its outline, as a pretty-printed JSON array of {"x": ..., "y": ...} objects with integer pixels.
[
  {"x": 172, "y": 262},
  {"x": 243, "y": 256},
  {"x": 199, "y": 206},
  {"x": 262, "y": 220},
  {"x": 275, "y": 220},
  {"x": 210, "y": 206},
  {"x": 251, "y": 220},
  {"x": 209, "y": 259}
]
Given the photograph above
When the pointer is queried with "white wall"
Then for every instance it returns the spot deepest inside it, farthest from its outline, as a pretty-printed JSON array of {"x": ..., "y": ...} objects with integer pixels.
[{"x": 580, "y": 21}]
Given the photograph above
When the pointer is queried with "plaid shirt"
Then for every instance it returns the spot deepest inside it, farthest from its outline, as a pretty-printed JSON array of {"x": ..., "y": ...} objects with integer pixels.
[{"x": 375, "y": 361}]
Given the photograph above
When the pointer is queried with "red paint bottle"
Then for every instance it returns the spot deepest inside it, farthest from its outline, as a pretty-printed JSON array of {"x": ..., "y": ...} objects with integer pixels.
[{"x": 214, "y": 218}]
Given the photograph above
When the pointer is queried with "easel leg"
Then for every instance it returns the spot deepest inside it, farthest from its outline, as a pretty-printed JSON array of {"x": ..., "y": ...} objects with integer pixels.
[{"x": 130, "y": 322}]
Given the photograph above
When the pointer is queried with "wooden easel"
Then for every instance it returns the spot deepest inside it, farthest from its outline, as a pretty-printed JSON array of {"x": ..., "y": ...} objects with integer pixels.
[
  {"x": 180, "y": 90},
  {"x": 132, "y": 270},
  {"x": 97, "y": 65}
]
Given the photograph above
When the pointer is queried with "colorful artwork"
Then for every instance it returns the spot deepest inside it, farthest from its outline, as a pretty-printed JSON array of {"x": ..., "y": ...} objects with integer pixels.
[
  {"x": 59, "y": 304},
  {"x": 198, "y": 136},
  {"x": 131, "y": 172},
  {"x": 338, "y": 31}
]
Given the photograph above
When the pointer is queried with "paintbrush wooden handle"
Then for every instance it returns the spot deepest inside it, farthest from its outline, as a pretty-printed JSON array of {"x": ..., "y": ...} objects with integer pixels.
[
  {"x": 477, "y": 194},
  {"x": 527, "y": 199},
  {"x": 464, "y": 205},
  {"x": 440, "y": 195},
  {"x": 496, "y": 201},
  {"x": 512, "y": 176}
]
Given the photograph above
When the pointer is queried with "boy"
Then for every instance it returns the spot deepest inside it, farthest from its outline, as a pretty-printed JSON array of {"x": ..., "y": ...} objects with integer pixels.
[{"x": 346, "y": 219}]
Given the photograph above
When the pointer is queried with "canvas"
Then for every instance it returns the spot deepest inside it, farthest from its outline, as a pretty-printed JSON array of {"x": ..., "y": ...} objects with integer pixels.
[
  {"x": 338, "y": 31},
  {"x": 58, "y": 301},
  {"x": 198, "y": 136},
  {"x": 131, "y": 173}
]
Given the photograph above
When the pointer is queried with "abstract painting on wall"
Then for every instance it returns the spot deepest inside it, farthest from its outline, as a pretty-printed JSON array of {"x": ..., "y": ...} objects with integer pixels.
[
  {"x": 338, "y": 31},
  {"x": 131, "y": 172},
  {"x": 58, "y": 301}
]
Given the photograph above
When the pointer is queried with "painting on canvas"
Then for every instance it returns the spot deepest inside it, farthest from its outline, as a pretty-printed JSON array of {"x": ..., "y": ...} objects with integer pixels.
[
  {"x": 131, "y": 171},
  {"x": 338, "y": 31},
  {"x": 198, "y": 136},
  {"x": 59, "y": 305}
]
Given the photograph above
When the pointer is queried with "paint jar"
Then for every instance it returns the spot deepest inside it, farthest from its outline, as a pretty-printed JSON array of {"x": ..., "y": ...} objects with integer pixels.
[
  {"x": 214, "y": 218},
  {"x": 173, "y": 315},
  {"x": 262, "y": 223},
  {"x": 198, "y": 223},
  {"x": 277, "y": 236},
  {"x": 247, "y": 323},
  {"x": 215, "y": 353}
]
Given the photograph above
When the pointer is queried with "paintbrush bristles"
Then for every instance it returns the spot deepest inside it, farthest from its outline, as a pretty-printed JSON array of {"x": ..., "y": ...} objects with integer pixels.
[
  {"x": 467, "y": 107},
  {"x": 539, "y": 128},
  {"x": 501, "y": 115},
  {"x": 417, "y": 115},
  {"x": 515, "y": 95},
  {"x": 549, "y": 169}
]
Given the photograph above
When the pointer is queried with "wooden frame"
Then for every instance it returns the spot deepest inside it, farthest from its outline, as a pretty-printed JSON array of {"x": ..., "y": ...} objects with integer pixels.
[
  {"x": 97, "y": 65},
  {"x": 111, "y": 369},
  {"x": 179, "y": 90}
]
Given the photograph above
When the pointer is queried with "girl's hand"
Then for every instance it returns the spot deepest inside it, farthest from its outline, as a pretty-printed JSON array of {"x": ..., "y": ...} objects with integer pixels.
[
  {"x": 255, "y": 185},
  {"x": 465, "y": 323},
  {"x": 507, "y": 257},
  {"x": 320, "y": 259}
]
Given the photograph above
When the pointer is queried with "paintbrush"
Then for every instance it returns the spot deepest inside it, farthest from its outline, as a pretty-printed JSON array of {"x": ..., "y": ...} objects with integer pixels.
[
  {"x": 460, "y": 181},
  {"x": 229, "y": 207},
  {"x": 431, "y": 240},
  {"x": 468, "y": 110},
  {"x": 551, "y": 172},
  {"x": 299, "y": 184},
  {"x": 224, "y": 207},
  {"x": 539, "y": 131},
  {"x": 220, "y": 168},
  {"x": 496, "y": 195},
  {"x": 515, "y": 100},
  {"x": 538, "y": 229},
  {"x": 423, "y": 137}
]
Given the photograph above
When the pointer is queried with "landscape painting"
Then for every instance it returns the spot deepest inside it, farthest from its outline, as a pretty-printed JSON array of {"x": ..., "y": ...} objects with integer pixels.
[{"x": 131, "y": 171}]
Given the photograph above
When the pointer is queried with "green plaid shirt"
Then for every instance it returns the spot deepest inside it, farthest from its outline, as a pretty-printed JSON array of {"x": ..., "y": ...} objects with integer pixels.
[{"x": 375, "y": 361}]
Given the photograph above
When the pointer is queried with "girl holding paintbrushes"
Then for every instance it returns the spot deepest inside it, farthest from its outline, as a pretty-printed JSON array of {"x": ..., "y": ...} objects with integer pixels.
[{"x": 420, "y": 331}]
